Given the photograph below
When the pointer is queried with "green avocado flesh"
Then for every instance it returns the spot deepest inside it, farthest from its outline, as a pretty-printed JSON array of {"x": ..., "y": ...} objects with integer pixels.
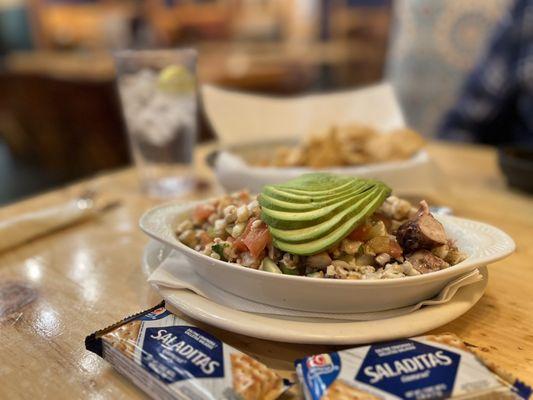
[
  {"x": 316, "y": 182},
  {"x": 293, "y": 220},
  {"x": 307, "y": 197},
  {"x": 281, "y": 205},
  {"x": 314, "y": 231},
  {"x": 307, "y": 221},
  {"x": 278, "y": 210}
]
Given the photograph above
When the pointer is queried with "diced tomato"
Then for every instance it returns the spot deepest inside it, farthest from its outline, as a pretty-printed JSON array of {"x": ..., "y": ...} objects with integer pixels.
[
  {"x": 359, "y": 233},
  {"x": 203, "y": 211},
  {"x": 253, "y": 240},
  {"x": 239, "y": 245},
  {"x": 257, "y": 240}
]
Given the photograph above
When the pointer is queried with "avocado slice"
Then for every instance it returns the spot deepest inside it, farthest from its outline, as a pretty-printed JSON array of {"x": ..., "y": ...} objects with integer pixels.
[
  {"x": 293, "y": 220},
  {"x": 272, "y": 203},
  {"x": 308, "y": 197},
  {"x": 317, "y": 190},
  {"x": 336, "y": 235},
  {"x": 318, "y": 181},
  {"x": 322, "y": 229}
]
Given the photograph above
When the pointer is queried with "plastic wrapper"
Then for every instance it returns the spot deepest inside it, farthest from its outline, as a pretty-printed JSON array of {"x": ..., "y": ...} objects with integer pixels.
[
  {"x": 170, "y": 358},
  {"x": 421, "y": 368}
]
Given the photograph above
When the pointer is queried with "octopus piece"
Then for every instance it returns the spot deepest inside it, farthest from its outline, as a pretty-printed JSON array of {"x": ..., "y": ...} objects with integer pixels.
[
  {"x": 421, "y": 232},
  {"x": 424, "y": 261}
]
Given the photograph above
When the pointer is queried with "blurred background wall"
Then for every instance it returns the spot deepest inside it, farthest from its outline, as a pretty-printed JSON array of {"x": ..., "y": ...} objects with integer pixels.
[
  {"x": 59, "y": 115},
  {"x": 433, "y": 46}
]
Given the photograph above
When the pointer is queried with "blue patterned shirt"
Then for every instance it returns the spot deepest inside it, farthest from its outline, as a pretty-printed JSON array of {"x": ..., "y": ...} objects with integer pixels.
[{"x": 496, "y": 102}]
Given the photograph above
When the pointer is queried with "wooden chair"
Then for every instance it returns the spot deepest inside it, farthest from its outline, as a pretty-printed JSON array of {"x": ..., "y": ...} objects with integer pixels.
[{"x": 72, "y": 126}]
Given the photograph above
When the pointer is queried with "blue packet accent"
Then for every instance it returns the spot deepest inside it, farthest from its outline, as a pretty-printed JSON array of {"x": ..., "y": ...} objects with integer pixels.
[
  {"x": 171, "y": 358},
  {"x": 406, "y": 367},
  {"x": 422, "y": 368},
  {"x": 522, "y": 390},
  {"x": 175, "y": 353}
]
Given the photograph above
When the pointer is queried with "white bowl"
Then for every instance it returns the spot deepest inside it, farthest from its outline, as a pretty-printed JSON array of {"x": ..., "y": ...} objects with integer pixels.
[
  {"x": 416, "y": 175},
  {"x": 483, "y": 243}
]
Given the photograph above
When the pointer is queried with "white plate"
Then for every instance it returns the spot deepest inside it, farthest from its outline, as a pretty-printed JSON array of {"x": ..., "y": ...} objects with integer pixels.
[
  {"x": 483, "y": 243},
  {"x": 310, "y": 330}
]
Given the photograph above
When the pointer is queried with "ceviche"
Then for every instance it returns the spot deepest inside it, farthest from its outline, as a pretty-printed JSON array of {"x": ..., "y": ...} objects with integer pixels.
[{"x": 322, "y": 225}]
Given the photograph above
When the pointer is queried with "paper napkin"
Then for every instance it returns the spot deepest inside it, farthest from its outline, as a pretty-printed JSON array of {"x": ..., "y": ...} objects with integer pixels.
[{"x": 239, "y": 118}]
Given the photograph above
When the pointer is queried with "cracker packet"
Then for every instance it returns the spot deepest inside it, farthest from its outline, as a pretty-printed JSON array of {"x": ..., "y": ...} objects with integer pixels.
[
  {"x": 420, "y": 368},
  {"x": 169, "y": 358}
]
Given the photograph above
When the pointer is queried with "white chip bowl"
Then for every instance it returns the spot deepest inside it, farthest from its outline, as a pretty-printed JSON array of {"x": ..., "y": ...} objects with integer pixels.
[
  {"x": 416, "y": 175},
  {"x": 483, "y": 243}
]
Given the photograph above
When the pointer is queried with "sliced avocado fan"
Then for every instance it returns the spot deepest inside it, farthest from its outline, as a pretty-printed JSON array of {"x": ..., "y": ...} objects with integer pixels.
[
  {"x": 307, "y": 196},
  {"x": 313, "y": 212},
  {"x": 281, "y": 205}
]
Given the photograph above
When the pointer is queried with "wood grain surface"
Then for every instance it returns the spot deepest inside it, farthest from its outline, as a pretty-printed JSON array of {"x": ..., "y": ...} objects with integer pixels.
[{"x": 62, "y": 287}]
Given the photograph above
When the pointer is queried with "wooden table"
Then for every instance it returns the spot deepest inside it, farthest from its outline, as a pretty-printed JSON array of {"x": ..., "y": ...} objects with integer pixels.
[{"x": 89, "y": 276}]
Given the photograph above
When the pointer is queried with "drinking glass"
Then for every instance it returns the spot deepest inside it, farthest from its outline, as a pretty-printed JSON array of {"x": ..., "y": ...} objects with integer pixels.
[{"x": 157, "y": 90}]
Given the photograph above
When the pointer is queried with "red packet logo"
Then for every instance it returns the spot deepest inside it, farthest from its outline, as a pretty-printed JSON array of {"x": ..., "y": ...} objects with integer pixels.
[{"x": 320, "y": 360}]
